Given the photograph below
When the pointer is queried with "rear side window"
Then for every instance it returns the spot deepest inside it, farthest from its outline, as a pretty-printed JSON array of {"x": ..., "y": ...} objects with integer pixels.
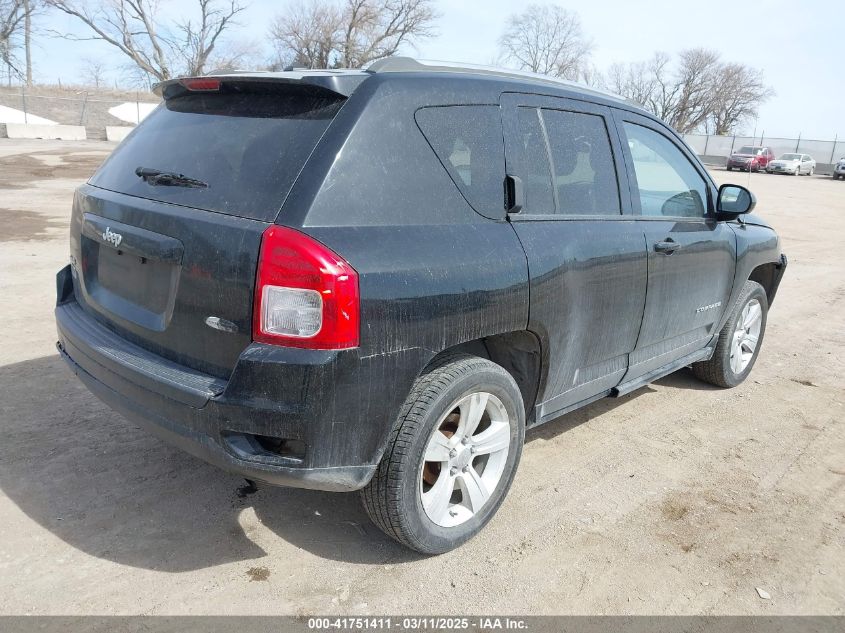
[
  {"x": 531, "y": 160},
  {"x": 582, "y": 160},
  {"x": 468, "y": 141},
  {"x": 248, "y": 144}
]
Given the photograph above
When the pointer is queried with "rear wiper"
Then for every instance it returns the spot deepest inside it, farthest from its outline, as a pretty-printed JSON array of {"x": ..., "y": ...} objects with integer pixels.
[{"x": 168, "y": 178}]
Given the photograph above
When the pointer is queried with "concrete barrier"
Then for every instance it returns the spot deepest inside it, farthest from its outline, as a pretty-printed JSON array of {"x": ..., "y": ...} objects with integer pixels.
[
  {"x": 62, "y": 132},
  {"x": 117, "y": 132}
]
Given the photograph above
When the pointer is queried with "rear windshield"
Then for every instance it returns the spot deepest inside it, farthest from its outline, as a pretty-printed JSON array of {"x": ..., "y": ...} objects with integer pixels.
[{"x": 247, "y": 144}]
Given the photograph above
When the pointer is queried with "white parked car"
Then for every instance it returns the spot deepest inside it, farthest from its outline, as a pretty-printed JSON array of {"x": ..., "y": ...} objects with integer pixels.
[
  {"x": 795, "y": 164},
  {"x": 839, "y": 169}
]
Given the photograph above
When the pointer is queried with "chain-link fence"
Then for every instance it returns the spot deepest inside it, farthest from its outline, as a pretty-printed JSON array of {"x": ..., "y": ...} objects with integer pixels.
[
  {"x": 717, "y": 148},
  {"x": 95, "y": 110}
]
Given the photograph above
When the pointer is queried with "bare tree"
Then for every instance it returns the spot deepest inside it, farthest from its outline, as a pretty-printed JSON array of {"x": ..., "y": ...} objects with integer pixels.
[
  {"x": 200, "y": 38},
  {"x": 374, "y": 29},
  {"x": 325, "y": 34},
  {"x": 308, "y": 35},
  {"x": 697, "y": 92},
  {"x": 546, "y": 39},
  {"x": 695, "y": 82},
  {"x": 27, "y": 38},
  {"x": 94, "y": 72},
  {"x": 159, "y": 50},
  {"x": 664, "y": 90},
  {"x": 740, "y": 91},
  {"x": 634, "y": 81},
  {"x": 13, "y": 15},
  {"x": 236, "y": 56},
  {"x": 591, "y": 75}
]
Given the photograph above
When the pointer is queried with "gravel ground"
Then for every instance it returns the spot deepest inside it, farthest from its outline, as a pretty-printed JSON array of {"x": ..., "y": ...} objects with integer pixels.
[{"x": 677, "y": 499}]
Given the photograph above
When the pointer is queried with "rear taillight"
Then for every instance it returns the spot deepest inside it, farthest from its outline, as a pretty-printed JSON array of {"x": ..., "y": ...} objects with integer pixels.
[{"x": 305, "y": 294}]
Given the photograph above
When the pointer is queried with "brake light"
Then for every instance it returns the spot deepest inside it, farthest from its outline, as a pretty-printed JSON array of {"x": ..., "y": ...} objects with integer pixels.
[
  {"x": 201, "y": 84},
  {"x": 305, "y": 294}
]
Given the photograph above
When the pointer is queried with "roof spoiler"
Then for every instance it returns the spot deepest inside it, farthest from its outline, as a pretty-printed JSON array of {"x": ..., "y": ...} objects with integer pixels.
[{"x": 342, "y": 84}]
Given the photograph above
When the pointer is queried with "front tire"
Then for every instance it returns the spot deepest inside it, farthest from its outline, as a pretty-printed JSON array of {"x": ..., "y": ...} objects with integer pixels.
[
  {"x": 739, "y": 341},
  {"x": 451, "y": 456}
]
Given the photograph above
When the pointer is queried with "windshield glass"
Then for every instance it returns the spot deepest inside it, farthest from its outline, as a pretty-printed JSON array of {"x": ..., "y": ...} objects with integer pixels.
[
  {"x": 247, "y": 146},
  {"x": 748, "y": 150},
  {"x": 790, "y": 157}
]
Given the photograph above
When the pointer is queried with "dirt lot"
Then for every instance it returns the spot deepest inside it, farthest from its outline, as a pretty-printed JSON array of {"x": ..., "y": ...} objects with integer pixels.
[{"x": 679, "y": 498}]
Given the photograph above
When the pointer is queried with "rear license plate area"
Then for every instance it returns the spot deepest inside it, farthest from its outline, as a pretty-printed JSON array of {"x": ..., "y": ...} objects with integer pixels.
[{"x": 135, "y": 279}]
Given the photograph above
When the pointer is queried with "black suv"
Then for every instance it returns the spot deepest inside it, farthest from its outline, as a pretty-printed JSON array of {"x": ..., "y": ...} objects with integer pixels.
[{"x": 377, "y": 280}]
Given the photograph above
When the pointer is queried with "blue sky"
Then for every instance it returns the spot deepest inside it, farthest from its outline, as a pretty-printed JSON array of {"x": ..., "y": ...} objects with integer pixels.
[{"x": 799, "y": 46}]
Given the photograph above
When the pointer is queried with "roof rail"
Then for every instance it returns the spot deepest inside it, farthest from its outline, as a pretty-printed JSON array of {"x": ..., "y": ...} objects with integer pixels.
[{"x": 409, "y": 65}]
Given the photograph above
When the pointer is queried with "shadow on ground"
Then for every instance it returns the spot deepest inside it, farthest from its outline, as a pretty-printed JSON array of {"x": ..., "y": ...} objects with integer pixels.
[{"x": 115, "y": 492}]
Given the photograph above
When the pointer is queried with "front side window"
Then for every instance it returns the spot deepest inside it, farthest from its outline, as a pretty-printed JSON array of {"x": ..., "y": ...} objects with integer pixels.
[
  {"x": 468, "y": 141},
  {"x": 668, "y": 183}
]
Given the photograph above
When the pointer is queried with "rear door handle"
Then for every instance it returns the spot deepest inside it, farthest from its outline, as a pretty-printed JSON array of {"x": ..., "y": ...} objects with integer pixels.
[{"x": 668, "y": 246}]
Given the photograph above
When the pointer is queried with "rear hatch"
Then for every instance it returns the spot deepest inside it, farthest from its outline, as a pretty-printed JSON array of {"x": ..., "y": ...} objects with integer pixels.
[{"x": 168, "y": 262}]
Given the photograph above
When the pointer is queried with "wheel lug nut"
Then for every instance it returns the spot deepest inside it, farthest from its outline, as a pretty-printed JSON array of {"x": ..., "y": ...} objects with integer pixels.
[
  {"x": 453, "y": 452},
  {"x": 453, "y": 471},
  {"x": 466, "y": 469},
  {"x": 472, "y": 449},
  {"x": 465, "y": 441}
]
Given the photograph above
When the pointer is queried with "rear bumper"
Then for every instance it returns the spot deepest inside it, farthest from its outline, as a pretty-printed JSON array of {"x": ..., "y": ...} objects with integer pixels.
[{"x": 217, "y": 420}]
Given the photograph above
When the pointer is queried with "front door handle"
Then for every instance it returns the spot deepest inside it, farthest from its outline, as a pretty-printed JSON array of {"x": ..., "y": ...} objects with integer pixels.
[{"x": 668, "y": 246}]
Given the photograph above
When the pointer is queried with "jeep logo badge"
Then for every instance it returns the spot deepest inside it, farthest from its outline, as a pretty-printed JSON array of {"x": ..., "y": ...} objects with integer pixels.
[{"x": 111, "y": 237}]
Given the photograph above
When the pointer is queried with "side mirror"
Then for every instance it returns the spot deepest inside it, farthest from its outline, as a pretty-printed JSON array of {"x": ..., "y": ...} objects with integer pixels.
[{"x": 735, "y": 200}]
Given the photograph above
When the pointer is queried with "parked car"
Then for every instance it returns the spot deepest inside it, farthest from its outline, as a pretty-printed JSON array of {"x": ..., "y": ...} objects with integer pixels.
[
  {"x": 839, "y": 169},
  {"x": 750, "y": 158},
  {"x": 795, "y": 164},
  {"x": 377, "y": 280}
]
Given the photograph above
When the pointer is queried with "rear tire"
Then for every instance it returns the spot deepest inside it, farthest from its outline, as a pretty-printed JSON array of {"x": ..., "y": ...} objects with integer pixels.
[
  {"x": 739, "y": 341},
  {"x": 451, "y": 455},
  {"x": 729, "y": 168}
]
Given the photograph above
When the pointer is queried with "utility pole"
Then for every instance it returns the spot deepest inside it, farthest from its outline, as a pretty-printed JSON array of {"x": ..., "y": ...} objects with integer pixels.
[{"x": 27, "y": 37}]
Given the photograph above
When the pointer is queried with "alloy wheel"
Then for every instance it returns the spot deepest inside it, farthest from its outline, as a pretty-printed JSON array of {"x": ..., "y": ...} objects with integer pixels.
[
  {"x": 465, "y": 459},
  {"x": 746, "y": 336}
]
